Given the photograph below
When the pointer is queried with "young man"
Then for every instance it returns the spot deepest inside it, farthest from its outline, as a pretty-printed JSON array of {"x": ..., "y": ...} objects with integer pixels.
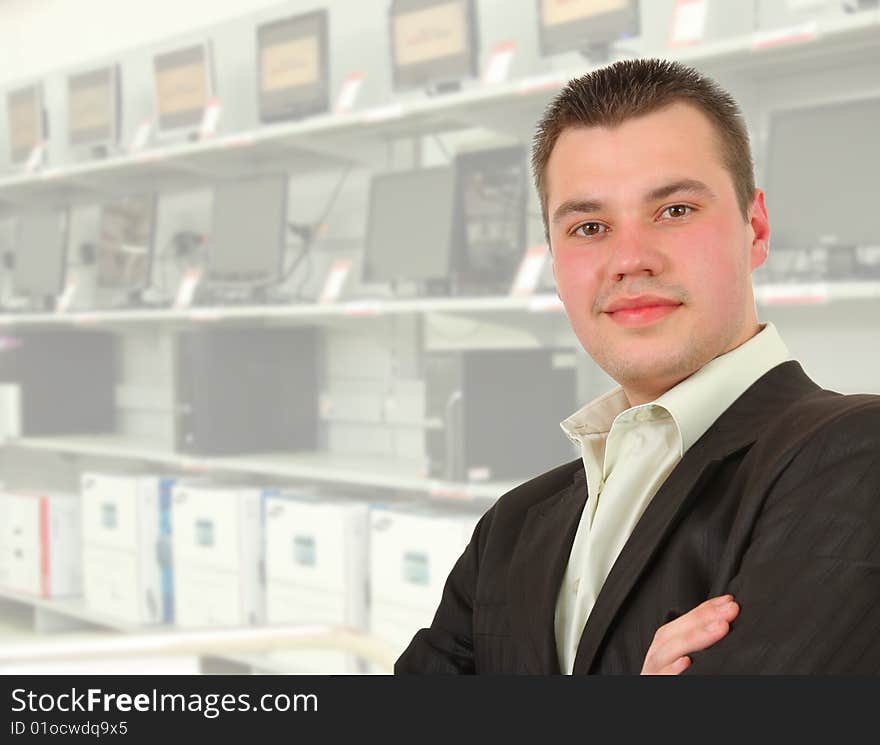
[{"x": 717, "y": 470}]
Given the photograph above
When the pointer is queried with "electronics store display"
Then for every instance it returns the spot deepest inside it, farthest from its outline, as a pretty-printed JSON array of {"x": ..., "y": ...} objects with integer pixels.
[
  {"x": 293, "y": 68},
  {"x": 824, "y": 217},
  {"x": 67, "y": 380},
  {"x": 125, "y": 243},
  {"x": 246, "y": 390},
  {"x": 490, "y": 219},
  {"x": 409, "y": 228},
  {"x": 434, "y": 43},
  {"x": 588, "y": 26},
  {"x": 27, "y": 121},
  {"x": 94, "y": 109},
  {"x": 498, "y": 432},
  {"x": 40, "y": 249},
  {"x": 184, "y": 85}
]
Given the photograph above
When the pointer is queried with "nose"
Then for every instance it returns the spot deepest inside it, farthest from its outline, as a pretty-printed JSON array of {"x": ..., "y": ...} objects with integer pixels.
[{"x": 634, "y": 253}]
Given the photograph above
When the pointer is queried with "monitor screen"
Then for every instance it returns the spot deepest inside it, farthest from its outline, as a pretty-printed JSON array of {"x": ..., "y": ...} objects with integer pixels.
[
  {"x": 292, "y": 67},
  {"x": 575, "y": 25},
  {"x": 184, "y": 86},
  {"x": 432, "y": 41},
  {"x": 409, "y": 226},
  {"x": 40, "y": 253},
  {"x": 26, "y": 125},
  {"x": 125, "y": 244},
  {"x": 821, "y": 175},
  {"x": 490, "y": 218},
  {"x": 93, "y": 107},
  {"x": 249, "y": 227}
]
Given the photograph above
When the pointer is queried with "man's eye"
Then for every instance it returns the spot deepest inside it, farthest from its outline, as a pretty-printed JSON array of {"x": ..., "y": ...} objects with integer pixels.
[
  {"x": 589, "y": 229},
  {"x": 678, "y": 210}
]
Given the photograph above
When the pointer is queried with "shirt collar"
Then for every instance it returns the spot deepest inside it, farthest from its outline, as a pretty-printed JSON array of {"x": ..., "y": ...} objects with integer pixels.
[{"x": 697, "y": 401}]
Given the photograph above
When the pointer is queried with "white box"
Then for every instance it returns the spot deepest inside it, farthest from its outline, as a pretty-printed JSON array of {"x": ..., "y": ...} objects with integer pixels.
[
  {"x": 316, "y": 573},
  {"x": 412, "y": 552},
  {"x": 126, "y": 532},
  {"x": 216, "y": 552},
  {"x": 40, "y": 543}
]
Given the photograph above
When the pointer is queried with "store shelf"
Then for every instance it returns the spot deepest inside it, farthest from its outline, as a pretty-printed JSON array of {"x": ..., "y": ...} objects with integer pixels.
[
  {"x": 305, "y": 313},
  {"x": 363, "y": 471},
  {"x": 509, "y": 108}
]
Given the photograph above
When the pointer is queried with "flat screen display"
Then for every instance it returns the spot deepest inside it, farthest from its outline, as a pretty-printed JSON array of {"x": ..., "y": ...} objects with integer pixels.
[
  {"x": 293, "y": 74},
  {"x": 26, "y": 126},
  {"x": 125, "y": 243},
  {"x": 575, "y": 25},
  {"x": 183, "y": 87},
  {"x": 40, "y": 252},
  {"x": 93, "y": 107},
  {"x": 821, "y": 178},
  {"x": 432, "y": 41},
  {"x": 249, "y": 227},
  {"x": 409, "y": 227}
]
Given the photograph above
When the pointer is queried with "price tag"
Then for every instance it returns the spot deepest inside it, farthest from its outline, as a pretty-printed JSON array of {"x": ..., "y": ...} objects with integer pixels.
[
  {"x": 335, "y": 279},
  {"x": 498, "y": 65},
  {"x": 529, "y": 271},
  {"x": 688, "y": 22},
  {"x": 65, "y": 300},
  {"x": 141, "y": 135},
  {"x": 36, "y": 158},
  {"x": 351, "y": 86},
  {"x": 187, "y": 289},
  {"x": 210, "y": 118}
]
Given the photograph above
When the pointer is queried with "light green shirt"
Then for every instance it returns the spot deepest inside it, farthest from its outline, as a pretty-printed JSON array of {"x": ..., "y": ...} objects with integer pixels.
[{"x": 628, "y": 452}]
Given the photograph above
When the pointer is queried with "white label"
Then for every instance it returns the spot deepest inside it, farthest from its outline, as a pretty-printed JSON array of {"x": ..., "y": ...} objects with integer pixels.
[
  {"x": 789, "y": 35},
  {"x": 335, "y": 279},
  {"x": 498, "y": 65},
  {"x": 348, "y": 92},
  {"x": 141, "y": 135},
  {"x": 210, "y": 119},
  {"x": 688, "y": 22},
  {"x": 529, "y": 271},
  {"x": 35, "y": 159},
  {"x": 187, "y": 288},
  {"x": 66, "y": 298}
]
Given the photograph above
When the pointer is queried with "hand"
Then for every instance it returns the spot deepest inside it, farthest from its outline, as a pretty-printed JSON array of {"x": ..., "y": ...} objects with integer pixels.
[{"x": 695, "y": 630}]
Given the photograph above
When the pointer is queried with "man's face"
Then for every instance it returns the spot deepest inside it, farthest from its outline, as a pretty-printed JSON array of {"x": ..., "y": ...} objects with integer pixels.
[{"x": 651, "y": 254}]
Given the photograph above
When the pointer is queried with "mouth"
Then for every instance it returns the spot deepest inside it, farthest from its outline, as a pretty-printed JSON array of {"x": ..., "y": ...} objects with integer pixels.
[{"x": 641, "y": 311}]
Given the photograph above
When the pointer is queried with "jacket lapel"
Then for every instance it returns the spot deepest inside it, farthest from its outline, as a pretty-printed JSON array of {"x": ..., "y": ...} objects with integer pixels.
[
  {"x": 536, "y": 570},
  {"x": 735, "y": 429}
]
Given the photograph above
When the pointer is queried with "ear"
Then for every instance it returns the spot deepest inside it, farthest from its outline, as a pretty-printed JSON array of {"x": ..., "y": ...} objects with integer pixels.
[{"x": 760, "y": 231}]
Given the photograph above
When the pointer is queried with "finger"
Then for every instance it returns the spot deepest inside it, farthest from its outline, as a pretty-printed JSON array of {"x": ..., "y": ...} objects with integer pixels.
[{"x": 693, "y": 631}]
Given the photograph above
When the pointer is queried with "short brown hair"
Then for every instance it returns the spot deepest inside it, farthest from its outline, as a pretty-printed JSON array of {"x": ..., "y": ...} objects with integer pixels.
[{"x": 623, "y": 90}]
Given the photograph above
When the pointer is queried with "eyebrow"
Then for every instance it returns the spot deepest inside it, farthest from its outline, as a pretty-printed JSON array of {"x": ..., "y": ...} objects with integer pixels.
[{"x": 681, "y": 186}]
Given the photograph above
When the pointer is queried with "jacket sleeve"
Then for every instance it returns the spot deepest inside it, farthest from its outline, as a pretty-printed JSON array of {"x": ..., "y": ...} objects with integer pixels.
[
  {"x": 447, "y": 646},
  {"x": 808, "y": 585}
]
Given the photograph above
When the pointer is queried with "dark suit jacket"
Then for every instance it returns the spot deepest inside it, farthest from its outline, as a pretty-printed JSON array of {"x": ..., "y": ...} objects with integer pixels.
[{"x": 778, "y": 503}]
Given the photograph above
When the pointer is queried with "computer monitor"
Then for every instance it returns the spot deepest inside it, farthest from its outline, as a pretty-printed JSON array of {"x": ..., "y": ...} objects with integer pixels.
[
  {"x": 293, "y": 71},
  {"x": 247, "y": 240},
  {"x": 409, "y": 226},
  {"x": 490, "y": 218},
  {"x": 125, "y": 243},
  {"x": 588, "y": 26},
  {"x": 93, "y": 108},
  {"x": 184, "y": 86},
  {"x": 27, "y": 121},
  {"x": 40, "y": 253},
  {"x": 434, "y": 43},
  {"x": 821, "y": 175}
]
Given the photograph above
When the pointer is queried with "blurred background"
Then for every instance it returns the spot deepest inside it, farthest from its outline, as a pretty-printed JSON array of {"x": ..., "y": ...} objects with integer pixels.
[{"x": 277, "y": 320}]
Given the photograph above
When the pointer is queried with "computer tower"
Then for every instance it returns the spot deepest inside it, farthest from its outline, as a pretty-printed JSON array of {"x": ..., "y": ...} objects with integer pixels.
[
  {"x": 246, "y": 390},
  {"x": 497, "y": 412},
  {"x": 66, "y": 380}
]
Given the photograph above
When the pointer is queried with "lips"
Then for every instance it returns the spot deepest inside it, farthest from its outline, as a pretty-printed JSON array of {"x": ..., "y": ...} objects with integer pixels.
[{"x": 642, "y": 310}]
